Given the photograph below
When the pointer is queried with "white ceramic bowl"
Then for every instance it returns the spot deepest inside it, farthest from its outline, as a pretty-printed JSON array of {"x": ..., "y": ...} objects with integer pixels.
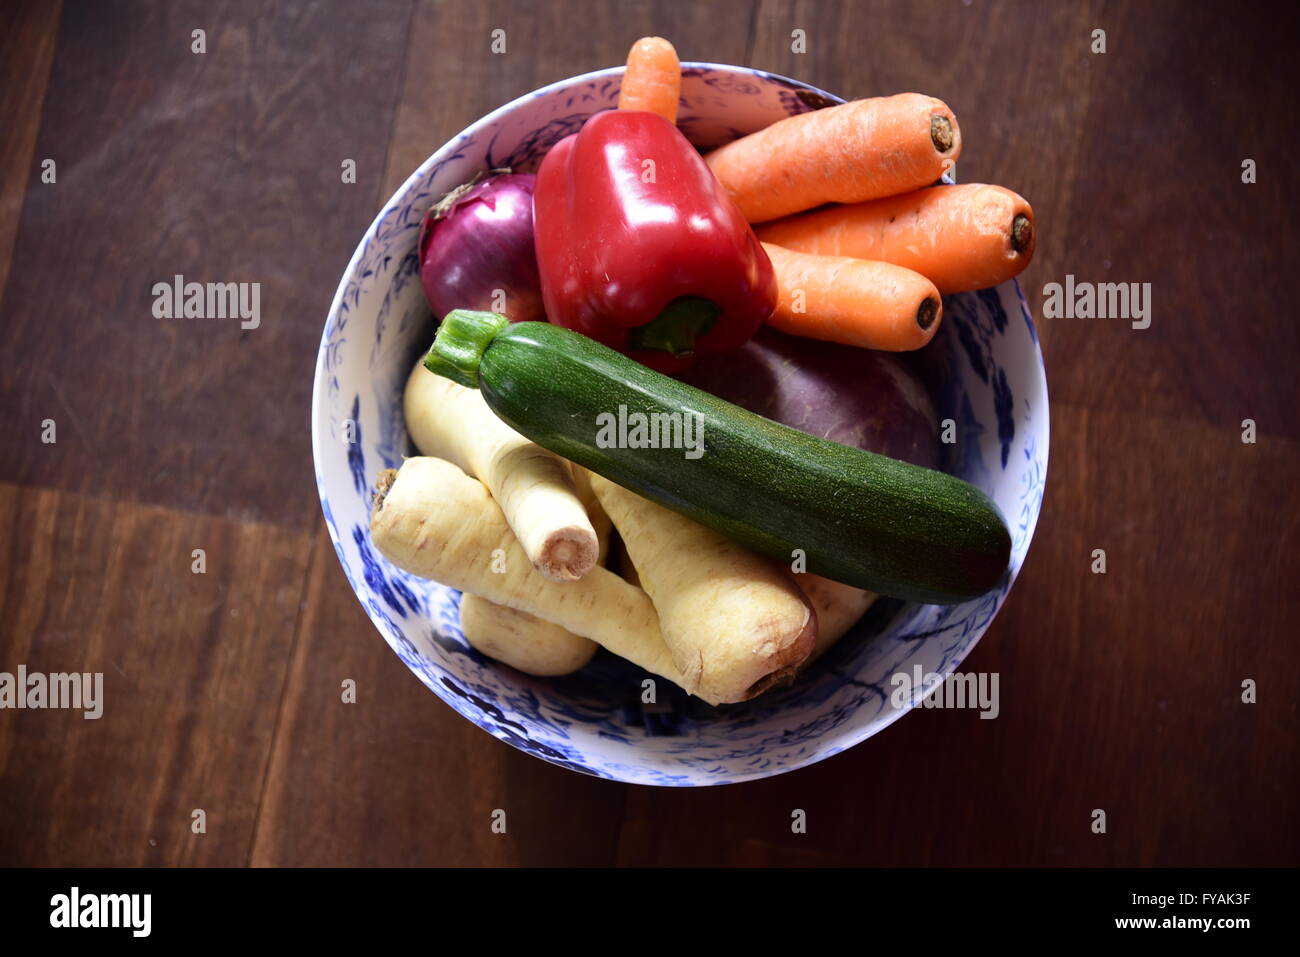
[{"x": 993, "y": 388}]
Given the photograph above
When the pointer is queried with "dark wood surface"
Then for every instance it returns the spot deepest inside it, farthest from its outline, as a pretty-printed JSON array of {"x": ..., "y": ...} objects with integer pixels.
[{"x": 1119, "y": 691}]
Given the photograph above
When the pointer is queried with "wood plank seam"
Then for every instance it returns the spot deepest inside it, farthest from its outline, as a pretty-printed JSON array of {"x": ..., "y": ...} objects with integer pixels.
[{"x": 379, "y": 198}]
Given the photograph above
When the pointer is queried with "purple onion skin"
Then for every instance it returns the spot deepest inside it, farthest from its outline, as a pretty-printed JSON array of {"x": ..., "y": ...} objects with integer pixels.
[{"x": 483, "y": 242}]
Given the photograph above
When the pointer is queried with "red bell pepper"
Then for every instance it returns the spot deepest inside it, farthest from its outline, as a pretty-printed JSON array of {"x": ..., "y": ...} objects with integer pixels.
[{"x": 639, "y": 247}]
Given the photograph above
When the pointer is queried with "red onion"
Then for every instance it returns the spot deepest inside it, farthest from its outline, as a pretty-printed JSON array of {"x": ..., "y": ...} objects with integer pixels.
[{"x": 476, "y": 249}]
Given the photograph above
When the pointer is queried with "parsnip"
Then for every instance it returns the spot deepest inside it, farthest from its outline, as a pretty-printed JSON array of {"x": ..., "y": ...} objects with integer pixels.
[
  {"x": 524, "y": 641},
  {"x": 734, "y": 622},
  {"x": 521, "y": 640},
  {"x": 620, "y": 561},
  {"x": 532, "y": 485},
  {"x": 434, "y": 521},
  {"x": 838, "y": 608},
  {"x": 595, "y": 512}
]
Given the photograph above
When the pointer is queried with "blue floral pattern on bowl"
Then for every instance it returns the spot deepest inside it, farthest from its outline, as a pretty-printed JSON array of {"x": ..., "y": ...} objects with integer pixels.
[{"x": 987, "y": 374}]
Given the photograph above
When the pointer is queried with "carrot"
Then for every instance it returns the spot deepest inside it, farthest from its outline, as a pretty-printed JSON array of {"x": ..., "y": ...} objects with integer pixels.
[
  {"x": 735, "y": 623},
  {"x": 533, "y": 486},
  {"x": 855, "y": 302},
  {"x": 432, "y": 520},
  {"x": 850, "y": 153},
  {"x": 653, "y": 80},
  {"x": 961, "y": 238}
]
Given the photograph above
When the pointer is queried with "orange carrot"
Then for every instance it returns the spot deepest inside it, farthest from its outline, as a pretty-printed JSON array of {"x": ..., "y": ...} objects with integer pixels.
[
  {"x": 653, "y": 80},
  {"x": 842, "y": 154},
  {"x": 960, "y": 238},
  {"x": 855, "y": 302}
]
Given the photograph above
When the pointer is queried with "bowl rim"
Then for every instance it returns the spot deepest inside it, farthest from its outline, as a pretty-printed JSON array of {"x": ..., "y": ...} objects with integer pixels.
[{"x": 838, "y": 743}]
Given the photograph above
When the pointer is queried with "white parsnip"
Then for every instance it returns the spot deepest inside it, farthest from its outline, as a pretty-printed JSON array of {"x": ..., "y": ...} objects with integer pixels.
[
  {"x": 526, "y": 642},
  {"x": 838, "y": 609},
  {"x": 432, "y": 520},
  {"x": 595, "y": 511},
  {"x": 521, "y": 640},
  {"x": 532, "y": 485},
  {"x": 735, "y": 623}
]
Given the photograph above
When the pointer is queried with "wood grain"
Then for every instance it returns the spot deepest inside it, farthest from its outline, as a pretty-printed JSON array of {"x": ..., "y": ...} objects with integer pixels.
[
  {"x": 545, "y": 42},
  {"x": 193, "y": 666},
  {"x": 1119, "y": 691},
  {"x": 27, "y": 35},
  {"x": 172, "y": 162},
  {"x": 1158, "y": 198}
]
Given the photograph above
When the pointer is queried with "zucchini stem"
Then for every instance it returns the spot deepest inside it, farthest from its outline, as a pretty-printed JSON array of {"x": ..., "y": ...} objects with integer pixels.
[{"x": 460, "y": 343}]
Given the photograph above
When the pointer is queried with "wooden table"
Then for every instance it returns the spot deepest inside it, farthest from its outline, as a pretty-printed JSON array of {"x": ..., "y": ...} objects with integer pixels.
[{"x": 1120, "y": 691}]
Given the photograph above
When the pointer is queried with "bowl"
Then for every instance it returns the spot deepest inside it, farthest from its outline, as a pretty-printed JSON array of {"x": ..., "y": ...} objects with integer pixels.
[{"x": 991, "y": 383}]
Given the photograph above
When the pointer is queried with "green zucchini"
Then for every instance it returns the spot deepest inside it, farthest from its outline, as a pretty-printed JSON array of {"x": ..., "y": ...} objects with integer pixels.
[{"x": 858, "y": 518}]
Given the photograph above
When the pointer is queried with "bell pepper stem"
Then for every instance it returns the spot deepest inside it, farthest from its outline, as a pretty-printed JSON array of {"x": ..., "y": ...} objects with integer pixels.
[
  {"x": 460, "y": 343},
  {"x": 676, "y": 328}
]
